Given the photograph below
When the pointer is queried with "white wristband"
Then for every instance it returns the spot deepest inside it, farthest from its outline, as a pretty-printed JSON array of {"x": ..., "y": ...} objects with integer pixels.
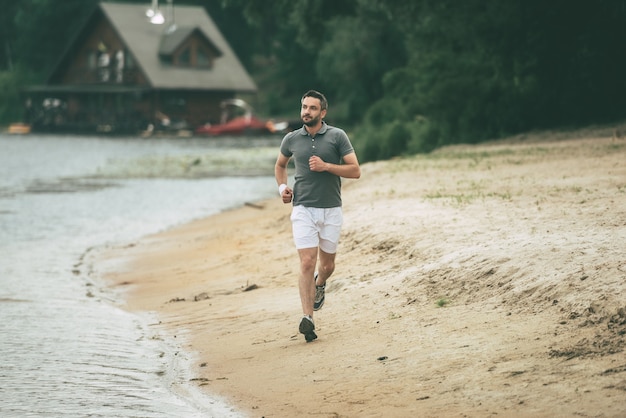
[{"x": 281, "y": 188}]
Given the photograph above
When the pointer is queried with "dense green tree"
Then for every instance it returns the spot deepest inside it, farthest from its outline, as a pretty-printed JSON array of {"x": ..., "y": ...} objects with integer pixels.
[
  {"x": 44, "y": 28},
  {"x": 353, "y": 60},
  {"x": 33, "y": 34},
  {"x": 465, "y": 76},
  {"x": 289, "y": 36},
  {"x": 481, "y": 69},
  {"x": 7, "y": 35}
]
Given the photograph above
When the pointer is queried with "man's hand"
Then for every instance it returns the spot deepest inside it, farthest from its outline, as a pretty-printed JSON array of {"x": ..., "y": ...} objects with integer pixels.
[
  {"x": 287, "y": 195},
  {"x": 317, "y": 164}
]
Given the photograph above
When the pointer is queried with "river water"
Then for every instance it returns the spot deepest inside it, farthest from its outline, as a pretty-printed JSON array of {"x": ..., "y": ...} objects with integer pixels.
[{"x": 63, "y": 350}]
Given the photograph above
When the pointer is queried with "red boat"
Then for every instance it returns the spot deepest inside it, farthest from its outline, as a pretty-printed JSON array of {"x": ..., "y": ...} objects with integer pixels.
[{"x": 240, "y": 125}]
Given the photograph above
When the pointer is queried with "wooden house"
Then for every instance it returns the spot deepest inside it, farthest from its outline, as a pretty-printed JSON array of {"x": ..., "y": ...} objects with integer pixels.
[{"x": 122, "y": 73}]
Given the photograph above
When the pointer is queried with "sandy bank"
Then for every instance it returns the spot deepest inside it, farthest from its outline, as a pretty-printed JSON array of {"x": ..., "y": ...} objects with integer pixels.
[{"x": 476, "y": 281}]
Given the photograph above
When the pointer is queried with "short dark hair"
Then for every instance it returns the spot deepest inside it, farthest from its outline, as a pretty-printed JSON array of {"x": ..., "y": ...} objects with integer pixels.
[{"x": 316, "y": 94}]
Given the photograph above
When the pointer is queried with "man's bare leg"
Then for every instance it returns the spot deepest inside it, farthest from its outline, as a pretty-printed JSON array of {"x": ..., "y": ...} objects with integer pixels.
[
  {"x": 306, "y": 284},
  {"x": 327, "y": 267}
]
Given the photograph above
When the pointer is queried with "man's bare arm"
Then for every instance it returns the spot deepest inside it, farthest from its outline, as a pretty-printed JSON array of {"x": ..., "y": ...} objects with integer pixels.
[{"x": 349, "y": 169}]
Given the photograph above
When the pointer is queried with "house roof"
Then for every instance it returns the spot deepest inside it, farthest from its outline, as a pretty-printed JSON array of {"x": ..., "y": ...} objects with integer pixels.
[{"x": 144, "y": 40}]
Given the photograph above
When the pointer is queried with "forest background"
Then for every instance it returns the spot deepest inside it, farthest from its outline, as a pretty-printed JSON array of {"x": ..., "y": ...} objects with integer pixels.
[{"x": 402, "y": 77}]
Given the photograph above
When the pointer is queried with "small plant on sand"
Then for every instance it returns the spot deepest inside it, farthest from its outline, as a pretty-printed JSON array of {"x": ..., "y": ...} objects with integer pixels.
[
  {"x": 455, "y": 199},
  {"x": 441, "y": 302},
  {"x": 393, "y": 315}
]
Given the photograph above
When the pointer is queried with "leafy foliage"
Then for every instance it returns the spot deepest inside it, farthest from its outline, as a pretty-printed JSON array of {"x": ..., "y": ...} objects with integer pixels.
[
  {"x": 11, "y": 105},
  {"x": 47, "y": 27},
  {"x": 444, "y": 71}
]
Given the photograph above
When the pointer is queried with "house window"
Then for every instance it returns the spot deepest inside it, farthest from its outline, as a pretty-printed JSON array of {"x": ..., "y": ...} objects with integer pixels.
[
  {"x": 104, "y": 73},
  {"x": 92, "y": 59},
  {"x": 202, "y": 58},
  {"x": 130, "y": 62},
  {"x": 184, "y": 58},
  {"x": 119, "y": 66}
]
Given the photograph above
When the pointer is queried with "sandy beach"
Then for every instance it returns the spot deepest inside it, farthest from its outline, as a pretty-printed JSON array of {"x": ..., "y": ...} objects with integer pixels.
[{"x": 476, "y": 281}]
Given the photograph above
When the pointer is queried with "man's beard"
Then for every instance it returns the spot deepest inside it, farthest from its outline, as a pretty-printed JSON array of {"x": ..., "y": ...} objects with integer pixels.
[{"x": 312, "y": 122}]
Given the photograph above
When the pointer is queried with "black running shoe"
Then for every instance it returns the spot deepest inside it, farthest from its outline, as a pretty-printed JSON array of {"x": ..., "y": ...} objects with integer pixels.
[
  {"x": 320, "y": 295},
  {"x": 307, "y": 327}
]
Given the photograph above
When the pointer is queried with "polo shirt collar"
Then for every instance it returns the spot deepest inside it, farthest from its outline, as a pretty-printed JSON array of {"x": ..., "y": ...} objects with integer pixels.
[{"x": 322, "y": 130}]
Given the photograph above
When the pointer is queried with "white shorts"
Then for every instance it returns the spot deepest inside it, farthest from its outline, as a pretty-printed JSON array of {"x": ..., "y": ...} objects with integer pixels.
[{"x": 313, "y": 227}]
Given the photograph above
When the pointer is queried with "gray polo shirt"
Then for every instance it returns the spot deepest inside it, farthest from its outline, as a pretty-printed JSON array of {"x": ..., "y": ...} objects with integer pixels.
[{"x": 313, "y": 189}]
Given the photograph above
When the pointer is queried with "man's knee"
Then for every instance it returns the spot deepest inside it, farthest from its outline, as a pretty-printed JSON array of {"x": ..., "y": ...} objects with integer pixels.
[
  {"x": 307, "y": 260},
  {"x": 327, "y": 263},
  {"x": 328, "y": 267}
]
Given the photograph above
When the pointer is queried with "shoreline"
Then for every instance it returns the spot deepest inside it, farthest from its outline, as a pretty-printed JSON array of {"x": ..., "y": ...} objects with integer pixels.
[{"x": 477, "y": 280}]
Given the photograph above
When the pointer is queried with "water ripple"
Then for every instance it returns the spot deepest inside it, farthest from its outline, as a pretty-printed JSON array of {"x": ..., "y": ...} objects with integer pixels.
[{"x": 65, "y": 350}]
